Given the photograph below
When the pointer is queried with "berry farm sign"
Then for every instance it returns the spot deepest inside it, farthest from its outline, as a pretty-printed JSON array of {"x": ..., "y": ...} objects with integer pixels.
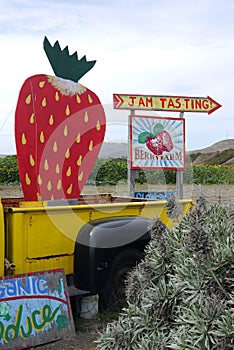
[
  {"x": 166, "y": 103},
  {"x": 157, "y": 143}
]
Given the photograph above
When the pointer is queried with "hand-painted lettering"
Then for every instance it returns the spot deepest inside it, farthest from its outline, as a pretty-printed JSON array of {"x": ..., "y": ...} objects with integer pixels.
[
  {"x": 36, "y": 321},
  {"x": 29, "y": 286},
  {"x": 141, "y": 102},
  {"x": 132, "y": 103},
  {"x": 143, "y": 155},
  {"x": 163, "y": 100},
  {"x": 149, "y": 102}
]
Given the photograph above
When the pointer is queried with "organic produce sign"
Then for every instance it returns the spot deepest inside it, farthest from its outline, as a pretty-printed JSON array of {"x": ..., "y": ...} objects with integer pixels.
[
  {"x": 34, "y": 309},
  {"x": 59, "y": 128},
  {"x": 157, "y": 143},
  {"x": 166, "y": 103}
]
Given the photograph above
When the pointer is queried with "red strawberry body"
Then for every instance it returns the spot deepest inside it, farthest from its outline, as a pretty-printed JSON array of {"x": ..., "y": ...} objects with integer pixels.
[
  {"x": 160, "y": 143},
  {"x": 59, "y": 128}
]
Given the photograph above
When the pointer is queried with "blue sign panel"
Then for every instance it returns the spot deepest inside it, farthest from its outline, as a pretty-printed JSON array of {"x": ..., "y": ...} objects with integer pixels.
[
  {"x": 154, "y": 195},
  {"x": 34, "y": 309}
]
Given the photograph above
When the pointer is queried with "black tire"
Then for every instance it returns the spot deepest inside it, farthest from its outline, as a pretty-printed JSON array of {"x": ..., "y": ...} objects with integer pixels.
[{"x": 112, "y": 296}]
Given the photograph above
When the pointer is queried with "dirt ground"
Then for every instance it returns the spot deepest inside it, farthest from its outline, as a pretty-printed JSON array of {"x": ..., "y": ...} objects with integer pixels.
[{"x": 87, "y": 330}]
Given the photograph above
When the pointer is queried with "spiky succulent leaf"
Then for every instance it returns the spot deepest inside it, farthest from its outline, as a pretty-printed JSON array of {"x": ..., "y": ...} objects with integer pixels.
[{"x": 178, "y": 301}]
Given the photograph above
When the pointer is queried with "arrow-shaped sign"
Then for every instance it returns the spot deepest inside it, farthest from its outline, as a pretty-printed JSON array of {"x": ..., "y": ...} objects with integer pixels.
[{"x": 166, "y": 103}]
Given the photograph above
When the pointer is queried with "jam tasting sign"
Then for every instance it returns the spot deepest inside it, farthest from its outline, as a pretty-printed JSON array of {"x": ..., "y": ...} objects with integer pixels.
[
  {"x": 157, "y": 143},
  {"x": 166, "y": 103},
  {"x": 34, "y": 309}
]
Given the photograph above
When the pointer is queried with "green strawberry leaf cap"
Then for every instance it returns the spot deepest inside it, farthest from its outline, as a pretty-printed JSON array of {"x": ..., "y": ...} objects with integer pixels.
[
  {"x": 143, "y": 136},
  {"x": 64, "y": 65},
  {"x": 158, "y": 127}
]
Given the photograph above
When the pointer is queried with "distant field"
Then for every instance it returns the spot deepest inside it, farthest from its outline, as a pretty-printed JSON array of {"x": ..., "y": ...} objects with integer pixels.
[{"x": 213, "y": 193}]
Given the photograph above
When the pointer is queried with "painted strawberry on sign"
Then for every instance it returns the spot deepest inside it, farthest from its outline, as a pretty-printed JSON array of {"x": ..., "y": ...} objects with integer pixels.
[
  {"x": 157, "y": 142},
  {"x": 59, "y": 128}
]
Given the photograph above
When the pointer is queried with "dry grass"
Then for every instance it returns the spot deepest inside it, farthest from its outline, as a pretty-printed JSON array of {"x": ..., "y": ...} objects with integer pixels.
[{"x": 213, "y": 193}]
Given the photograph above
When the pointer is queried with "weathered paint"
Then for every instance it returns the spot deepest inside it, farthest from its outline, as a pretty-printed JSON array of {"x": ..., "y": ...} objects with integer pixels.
[
  {"x": 157, "y": 143},
  {"x": 165, "y": 103},
  {"x": 157, "y": 194},
  {"x": 34, "y": 309},
  {"x": 43, "y": 237}
]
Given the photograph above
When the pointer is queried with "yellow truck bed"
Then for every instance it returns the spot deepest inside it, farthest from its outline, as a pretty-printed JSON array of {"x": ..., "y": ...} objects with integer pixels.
[{"x": 41, "y": 236}]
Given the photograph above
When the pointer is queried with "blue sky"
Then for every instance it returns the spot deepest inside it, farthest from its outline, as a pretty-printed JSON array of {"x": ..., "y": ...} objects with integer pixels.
[{"x": 155, "y": 47}]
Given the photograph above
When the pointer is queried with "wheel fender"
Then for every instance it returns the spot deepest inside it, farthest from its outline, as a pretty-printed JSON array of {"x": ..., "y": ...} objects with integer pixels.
[{"x": 102, "y": 241}]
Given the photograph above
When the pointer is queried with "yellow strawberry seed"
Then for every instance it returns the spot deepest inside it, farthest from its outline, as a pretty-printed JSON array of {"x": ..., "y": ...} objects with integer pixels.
[
  {"x": 44, "y": 102},
  {"x": 67, "y": 110},
  {"x": 57, "y": 96},
  {"x": 41, "y": 84},
  {"x": 49, "y": 186},
  {"x": 28, "y": 99},
  {"x": 23, "y": 139},
  {"x": 68, "y": 173},
  {"x": 69, "y": 190},
  {"x": 86, "y": 117},
  {"x": 39, "y": 180},
  {"x": 55, "y": 147},
  {"x": 67, "y": 155},
  {"x": 79, "y": 161},
  {"x": 80, "y": 176},
  {"x": 31, "y": 120},
  {"x": 46, "y": 165},
  {"x": 98, "y": 126},
  {"x": 57, "y": 169},
  {"x": 90, "y": 99},
  {"x": 27, "y": 179},
  {"x": 31, "y": 160},
  {"x": 78, "y": 138},
  {"x": 65, "y": 132},
  {"x": 42, "y": 137},
  {"x": 91, "y": 145},
  {"x": 78, "y": 99},
  {"x": 51, "y": 120}
]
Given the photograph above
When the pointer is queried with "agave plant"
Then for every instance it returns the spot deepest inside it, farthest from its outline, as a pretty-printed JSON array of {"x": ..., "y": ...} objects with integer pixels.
[{"x": 182, "y": 295}]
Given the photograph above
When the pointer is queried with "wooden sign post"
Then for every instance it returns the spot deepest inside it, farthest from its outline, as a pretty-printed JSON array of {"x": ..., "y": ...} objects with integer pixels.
[
  {"x": 180, "y": 177},
  {"x": 132, "y": 174}
]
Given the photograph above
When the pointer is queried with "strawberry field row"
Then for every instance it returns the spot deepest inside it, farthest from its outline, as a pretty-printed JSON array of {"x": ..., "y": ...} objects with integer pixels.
[{"x": 113, "y": 171}]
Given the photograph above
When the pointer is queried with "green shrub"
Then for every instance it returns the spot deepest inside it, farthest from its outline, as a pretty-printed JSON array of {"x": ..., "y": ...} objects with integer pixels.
[
  {"x": 9, "y": 170},
  {"x": 111, "y": 171},
  {"x": 182, "y": 295}
]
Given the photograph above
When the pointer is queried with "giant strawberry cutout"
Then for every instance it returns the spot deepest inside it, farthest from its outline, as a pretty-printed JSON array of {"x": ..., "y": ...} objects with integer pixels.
[
  {"x": 157, "y": 142},
  {"x": 59, "y": 128}
]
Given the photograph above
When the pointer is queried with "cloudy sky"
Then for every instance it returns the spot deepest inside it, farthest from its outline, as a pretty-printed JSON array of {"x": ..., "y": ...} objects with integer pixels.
[{"x": 154, "y": 47}]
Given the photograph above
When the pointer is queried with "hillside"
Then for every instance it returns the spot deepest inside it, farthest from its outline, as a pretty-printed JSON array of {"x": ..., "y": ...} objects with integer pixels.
[
  {"x": 221, "y": 152},
  {"x": 114, "y": 150},
  {"x": 218, "y": 146}
]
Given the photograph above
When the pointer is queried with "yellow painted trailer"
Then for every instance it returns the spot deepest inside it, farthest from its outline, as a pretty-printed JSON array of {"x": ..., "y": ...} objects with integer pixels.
[{"x": 84, "y": 236}]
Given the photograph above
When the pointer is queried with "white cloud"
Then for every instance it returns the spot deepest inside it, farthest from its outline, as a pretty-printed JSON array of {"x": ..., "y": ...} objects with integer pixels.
[{"x": 151, "y": 47}]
